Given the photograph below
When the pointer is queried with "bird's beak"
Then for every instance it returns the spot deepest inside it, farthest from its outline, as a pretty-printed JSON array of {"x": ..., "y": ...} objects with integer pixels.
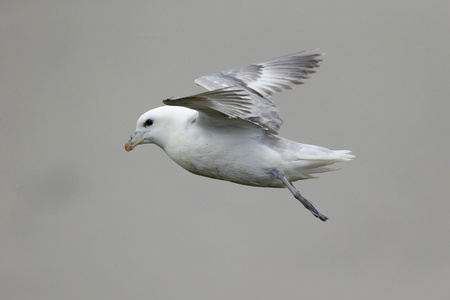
[{"x": 135, "y": 139}]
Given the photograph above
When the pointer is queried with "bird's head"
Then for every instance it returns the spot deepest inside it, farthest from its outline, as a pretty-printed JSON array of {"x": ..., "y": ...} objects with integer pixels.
[{"x": 157, "y": 125}]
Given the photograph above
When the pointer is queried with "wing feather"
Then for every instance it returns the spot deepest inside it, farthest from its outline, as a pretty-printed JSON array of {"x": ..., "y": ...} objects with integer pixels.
[
  {"x": 217, "y": 107},
  {"x": 266, "y": 78},
  {"x": 241, "y": 95}
]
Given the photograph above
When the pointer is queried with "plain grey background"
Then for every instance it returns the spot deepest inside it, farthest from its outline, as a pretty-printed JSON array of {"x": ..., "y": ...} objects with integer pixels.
[{"x": 82, "y": 219}]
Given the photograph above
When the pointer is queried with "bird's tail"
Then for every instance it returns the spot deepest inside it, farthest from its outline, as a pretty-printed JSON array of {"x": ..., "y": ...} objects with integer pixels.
[{"x": 315, "y": 159}]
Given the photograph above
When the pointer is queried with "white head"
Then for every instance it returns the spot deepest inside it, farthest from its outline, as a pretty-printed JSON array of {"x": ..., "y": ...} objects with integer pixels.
[{"x": 157, "y": 125}]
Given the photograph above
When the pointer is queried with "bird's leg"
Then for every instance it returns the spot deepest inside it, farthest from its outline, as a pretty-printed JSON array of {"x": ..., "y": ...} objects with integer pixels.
[{"x": 299, "y": 197}]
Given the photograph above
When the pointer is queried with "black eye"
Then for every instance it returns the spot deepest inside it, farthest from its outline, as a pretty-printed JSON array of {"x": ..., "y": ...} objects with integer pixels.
[{"x": 149, "y": 122}]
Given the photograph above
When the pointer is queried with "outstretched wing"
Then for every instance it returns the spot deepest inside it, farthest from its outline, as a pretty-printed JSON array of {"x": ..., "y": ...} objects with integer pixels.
[
  {"x": 240, "y": 95},
  {"x": 265, "y": 78},
  {"x": 232, "y": 106}
]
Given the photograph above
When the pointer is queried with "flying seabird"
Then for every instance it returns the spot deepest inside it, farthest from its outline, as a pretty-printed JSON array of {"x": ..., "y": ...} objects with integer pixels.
[{"x": 230, "y": 132}]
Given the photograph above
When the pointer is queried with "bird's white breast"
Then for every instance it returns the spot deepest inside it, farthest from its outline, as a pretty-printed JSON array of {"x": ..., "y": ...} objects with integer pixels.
[{"x": 225, "y": 155}]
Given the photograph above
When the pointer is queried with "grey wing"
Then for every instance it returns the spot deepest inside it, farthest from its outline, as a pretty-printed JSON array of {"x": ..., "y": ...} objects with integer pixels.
[
  {"x": 232, "y": 106},
  {"x": 268, "y": 77}
]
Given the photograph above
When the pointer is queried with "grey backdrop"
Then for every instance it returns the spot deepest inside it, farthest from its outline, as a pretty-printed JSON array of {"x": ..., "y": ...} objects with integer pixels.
[{"x": 82, "y": 219}]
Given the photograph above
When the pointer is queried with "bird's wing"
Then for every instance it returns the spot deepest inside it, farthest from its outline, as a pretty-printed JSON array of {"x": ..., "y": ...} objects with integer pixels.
[
  {"x": 265, "y": 78},
  {"x": 232, "y": 106}
]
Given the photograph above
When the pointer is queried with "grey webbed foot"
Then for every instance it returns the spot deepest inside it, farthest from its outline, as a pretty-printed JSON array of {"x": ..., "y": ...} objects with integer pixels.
[{"x": 308, "y": 204}]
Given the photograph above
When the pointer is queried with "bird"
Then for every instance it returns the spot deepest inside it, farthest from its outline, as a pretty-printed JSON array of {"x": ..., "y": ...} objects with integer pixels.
[{"x": 230, "y": 132}]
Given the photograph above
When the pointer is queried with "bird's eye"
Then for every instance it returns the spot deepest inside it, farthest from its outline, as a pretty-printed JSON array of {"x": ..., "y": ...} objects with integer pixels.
[{"x": 149, "y": 122}]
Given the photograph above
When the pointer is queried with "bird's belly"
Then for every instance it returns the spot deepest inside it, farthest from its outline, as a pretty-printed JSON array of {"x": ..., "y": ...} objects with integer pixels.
[{"x": 236, "y": 164}]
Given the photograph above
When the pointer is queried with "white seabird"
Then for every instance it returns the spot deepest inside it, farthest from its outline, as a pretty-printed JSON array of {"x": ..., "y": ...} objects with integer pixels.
[{"x": 230, "y": 132}]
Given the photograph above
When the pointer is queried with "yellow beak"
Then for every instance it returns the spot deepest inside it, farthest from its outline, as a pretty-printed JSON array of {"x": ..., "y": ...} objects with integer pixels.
[{"x": 135, "y": 139}]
